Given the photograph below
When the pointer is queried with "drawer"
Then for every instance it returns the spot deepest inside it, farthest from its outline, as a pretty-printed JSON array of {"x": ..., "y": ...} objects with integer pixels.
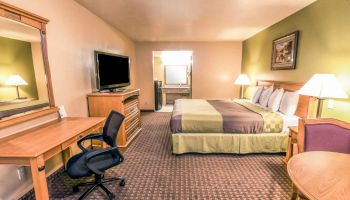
[
  {"x": 133, "y": 128},
  {"x": 132, "y": 114},
  {"x": 74, "y": 139},
  {"x": 130, "y": 120},
  {"x": 131, "y": 103},
  {"x": 131, "y": 110},
  {"x": 184, "y": 90}
]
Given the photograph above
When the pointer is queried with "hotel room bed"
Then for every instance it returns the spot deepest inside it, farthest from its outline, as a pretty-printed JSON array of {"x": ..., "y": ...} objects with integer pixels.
[{"x": 226, "y": 126}]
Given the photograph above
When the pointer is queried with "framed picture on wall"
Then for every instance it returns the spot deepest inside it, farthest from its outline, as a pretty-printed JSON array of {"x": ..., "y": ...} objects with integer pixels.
[{"x": 284, "y": 52}]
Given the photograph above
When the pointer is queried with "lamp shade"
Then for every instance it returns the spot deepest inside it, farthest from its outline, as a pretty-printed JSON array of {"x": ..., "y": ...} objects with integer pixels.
[
  {"x": 15, "y": 80},
  {"x": 323, "y": 86},
  {"x": 242, "y": 80}
]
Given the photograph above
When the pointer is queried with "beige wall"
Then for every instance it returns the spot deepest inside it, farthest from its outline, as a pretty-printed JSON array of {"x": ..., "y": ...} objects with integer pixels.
[
  {"x": 215, "y": 67},
  {"x": 72, "y": 35}
]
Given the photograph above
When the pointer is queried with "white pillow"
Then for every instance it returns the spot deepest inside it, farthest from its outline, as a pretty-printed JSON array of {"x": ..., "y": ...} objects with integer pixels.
[
  {"x": 257, "y": 94},
  {"x": 275, "y": 100},
  {"x": 289, "y": 103},
  {"x": 265, "y": 95}
]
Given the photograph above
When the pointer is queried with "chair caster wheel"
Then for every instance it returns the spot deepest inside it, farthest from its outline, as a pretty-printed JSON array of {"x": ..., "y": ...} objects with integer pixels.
[
  {"x": 75, "y": 189},
  {"x": 111, "y": 196},
  {"x": 122, "y": 183}
]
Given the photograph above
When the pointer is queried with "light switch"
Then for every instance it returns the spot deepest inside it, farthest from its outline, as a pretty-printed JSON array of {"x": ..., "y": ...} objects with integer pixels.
[
  {"x": 21, "y": 172},
  {"x": 62, "y": 111}
]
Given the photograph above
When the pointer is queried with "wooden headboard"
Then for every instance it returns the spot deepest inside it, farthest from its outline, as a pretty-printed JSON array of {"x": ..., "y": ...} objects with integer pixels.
[{"x": 304, "y": 109}]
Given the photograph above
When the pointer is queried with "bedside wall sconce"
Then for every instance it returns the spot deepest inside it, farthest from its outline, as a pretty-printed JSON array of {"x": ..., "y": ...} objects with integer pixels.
[{"x": 16, "y": 80}]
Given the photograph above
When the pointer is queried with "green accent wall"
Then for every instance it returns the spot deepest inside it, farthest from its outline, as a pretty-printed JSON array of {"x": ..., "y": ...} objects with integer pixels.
[
  {"x": 16, "y": 58},
  {"x": 324, "y": 47}
]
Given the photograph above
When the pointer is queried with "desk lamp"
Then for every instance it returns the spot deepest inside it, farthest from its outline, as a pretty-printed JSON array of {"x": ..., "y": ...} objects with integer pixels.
[{"x": 16, "y": 80}]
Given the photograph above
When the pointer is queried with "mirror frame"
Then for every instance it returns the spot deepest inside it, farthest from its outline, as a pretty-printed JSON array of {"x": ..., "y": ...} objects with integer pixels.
[{"x": 17, "y": 14}]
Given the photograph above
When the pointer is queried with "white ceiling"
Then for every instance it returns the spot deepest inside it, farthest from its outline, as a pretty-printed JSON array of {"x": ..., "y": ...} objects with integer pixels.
[{"x": 192, "y": 20}]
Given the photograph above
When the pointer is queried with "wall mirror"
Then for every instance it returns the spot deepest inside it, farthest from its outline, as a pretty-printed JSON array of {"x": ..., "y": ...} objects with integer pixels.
[
  {"x": 25, "y": 84},
  {"x": 176, "y": 75}
]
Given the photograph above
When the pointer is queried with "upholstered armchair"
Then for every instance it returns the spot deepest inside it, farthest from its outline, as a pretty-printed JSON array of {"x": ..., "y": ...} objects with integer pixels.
[{"x": 323, "y": 135}]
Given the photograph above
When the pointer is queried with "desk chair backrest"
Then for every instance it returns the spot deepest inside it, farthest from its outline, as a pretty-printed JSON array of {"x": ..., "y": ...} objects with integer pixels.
[
  {"x": 324, "y": 135},
  {"x": 111, "y": 127}
]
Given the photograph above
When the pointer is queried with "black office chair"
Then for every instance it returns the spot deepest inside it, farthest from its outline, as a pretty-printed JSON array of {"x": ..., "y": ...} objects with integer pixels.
[{"x": 95, "y": 161}]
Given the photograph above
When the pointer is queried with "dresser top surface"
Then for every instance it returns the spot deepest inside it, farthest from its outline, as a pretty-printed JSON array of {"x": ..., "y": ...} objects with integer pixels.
[{"x": 122, "y": 93}]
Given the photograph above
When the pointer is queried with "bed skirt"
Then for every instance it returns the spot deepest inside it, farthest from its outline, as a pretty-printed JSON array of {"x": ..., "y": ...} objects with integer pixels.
[{"x": 229, "y": 143}]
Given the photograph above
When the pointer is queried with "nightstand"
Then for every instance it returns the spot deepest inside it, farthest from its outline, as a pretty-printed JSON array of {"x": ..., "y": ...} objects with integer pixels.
[{"x": 292, "y": 139}]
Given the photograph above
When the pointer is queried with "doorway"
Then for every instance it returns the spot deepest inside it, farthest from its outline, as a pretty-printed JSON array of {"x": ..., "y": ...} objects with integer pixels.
[{"x": 172, "y": 76}]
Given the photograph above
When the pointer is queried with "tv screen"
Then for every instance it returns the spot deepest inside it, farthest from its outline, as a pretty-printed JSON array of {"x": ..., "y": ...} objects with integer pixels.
[{"x": 112, "y": 71}]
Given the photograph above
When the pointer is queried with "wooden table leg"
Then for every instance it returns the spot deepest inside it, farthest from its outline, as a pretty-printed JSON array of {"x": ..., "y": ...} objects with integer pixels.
[
  {"x": 289, "y": 147},
  {"x": 39, "y": 178},
  {"x": 294, "y": 194},
  {"x": 66, "y": 154}
]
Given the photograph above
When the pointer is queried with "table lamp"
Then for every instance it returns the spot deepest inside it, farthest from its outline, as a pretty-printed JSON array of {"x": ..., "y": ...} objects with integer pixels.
[
  {"x": 16, "y": 80},
  {"x": 242, "y": 80},
  {"x": 323, "y": 86}
]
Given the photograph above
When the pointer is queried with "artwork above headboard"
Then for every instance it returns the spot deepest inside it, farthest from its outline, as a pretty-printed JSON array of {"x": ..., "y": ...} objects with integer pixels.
[{"x": 304, "y": 109}]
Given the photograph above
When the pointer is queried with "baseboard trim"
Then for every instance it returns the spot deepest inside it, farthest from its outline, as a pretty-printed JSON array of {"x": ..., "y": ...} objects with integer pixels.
[
  {"x": 28, "y": 192},
  {"x": 147, "y": 110}
]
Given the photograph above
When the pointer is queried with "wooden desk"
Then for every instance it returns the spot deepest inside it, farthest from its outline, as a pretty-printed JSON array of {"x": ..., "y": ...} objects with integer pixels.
[
  {"x": 33, "y": 147},
  {"x": 321, "y": 175}
]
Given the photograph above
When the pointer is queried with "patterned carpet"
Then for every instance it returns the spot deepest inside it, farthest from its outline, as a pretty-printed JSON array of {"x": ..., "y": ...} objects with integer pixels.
[{"x": 152, "y": 172}]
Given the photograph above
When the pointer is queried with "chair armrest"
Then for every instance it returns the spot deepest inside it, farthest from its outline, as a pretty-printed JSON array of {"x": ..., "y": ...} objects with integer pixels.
[
  {"x": 295, "y": 149},
  {"x": 100, "y": 152},
  {"x": 94, "y": 136}
]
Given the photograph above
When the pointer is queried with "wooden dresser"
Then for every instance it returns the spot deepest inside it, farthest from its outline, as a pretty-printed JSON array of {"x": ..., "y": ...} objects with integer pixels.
[{"x": 127, "y": 103}]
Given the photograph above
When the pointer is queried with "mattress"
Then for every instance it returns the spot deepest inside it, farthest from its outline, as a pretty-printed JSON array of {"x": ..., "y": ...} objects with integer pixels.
[
  {"x": 223, "y": 116},
  {"x": 229, "y": 143}
]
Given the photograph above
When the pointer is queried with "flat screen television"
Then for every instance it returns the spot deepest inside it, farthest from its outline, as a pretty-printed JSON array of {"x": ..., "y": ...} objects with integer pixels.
[{"x": 112, "y": 71}]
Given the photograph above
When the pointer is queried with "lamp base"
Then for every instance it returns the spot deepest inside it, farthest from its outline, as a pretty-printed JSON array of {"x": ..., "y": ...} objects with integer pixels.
[
  {"x": 242, "y": 92},
  {"x": 319, "y": 108},
  {"x": 18, "y": 97}
]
